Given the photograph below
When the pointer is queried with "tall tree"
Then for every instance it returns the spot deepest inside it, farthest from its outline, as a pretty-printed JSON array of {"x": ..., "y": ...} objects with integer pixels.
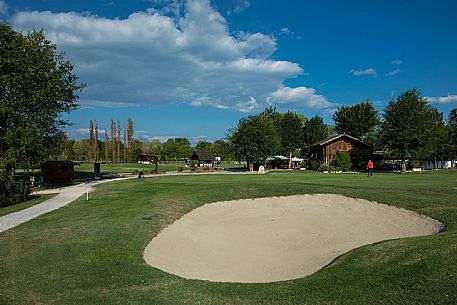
[
  {"x": 452, "y": 132},
  {"x": 254, "y": 139},
  {"x": 130, "y": 137},
  {"x": 289, "y": 127},
  {"x": 406, "y": 125},
  {"x": 314, "y": 130},
  {"x": 358, "y": 120},
  {"x": 113, "y": 133},
  {"x": 118, "y": 138},
  {"x": 124, "y": 130},
  {"x": 91, "y": 141},
  {"x": 106, "y": 146},
  {"x": 96, "y": 148},
  {"x": 37, "y": 85}
]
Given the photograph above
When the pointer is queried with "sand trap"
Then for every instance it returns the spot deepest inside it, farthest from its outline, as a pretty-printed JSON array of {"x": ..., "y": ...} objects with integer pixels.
[{"x": 274, "y": 239}]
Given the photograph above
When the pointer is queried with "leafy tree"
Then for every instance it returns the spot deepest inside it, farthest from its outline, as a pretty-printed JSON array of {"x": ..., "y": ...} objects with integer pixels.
[
  {"x": 289, "y": 127},
  {"x": 406, "y": 124},
  {"x": 343, "y": 160},
  {"x": 314, "y": 130},
  {"x": 357, "y": 120},
  {"x": 36, "y": 85},
  {"x": 177, "y": 149},
  {"x": 452, "y": 133},
  {"x": 223, "y": 149},
  {"x": 254, "y": 139},
  {"x": 203, "y": 146}
]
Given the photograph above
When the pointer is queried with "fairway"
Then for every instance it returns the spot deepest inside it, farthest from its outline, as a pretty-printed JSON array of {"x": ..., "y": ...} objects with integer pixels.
[{"x": 91, "y": 252}]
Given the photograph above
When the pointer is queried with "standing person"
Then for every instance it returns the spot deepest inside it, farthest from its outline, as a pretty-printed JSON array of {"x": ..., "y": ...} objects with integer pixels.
[{"x": 370, "y": 168}]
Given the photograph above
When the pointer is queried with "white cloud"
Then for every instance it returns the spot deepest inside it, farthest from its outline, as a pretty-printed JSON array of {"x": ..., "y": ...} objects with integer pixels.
[
  {"x": 298, "y": 98},
  {"x": 443, "y": 99},
  {"x": 285, "y": 31},
  {"x": 394, "y": 72},
  {"x": 369, "y": 71},
  {"x": 3, "y": 8},
  {"x": 396, "y": 62},
  {"x": 153, "y": 58},
  {"x": 240, "y": 6},
  {"x": 105, "y": 104}
]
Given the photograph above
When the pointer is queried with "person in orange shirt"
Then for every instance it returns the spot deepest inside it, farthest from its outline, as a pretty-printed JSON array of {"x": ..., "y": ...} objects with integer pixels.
[{"x": 370, "y": 168}]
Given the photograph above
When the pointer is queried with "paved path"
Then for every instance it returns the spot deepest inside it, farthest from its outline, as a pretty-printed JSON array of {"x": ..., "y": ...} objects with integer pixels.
[
  {"x": 65, "y": 196},
  {"x": 68, "y": 194}
]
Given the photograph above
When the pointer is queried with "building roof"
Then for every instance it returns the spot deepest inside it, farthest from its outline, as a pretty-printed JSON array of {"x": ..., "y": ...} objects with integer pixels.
[
  {"x": 333, "y": 138},
  {"x": 203, "y": 156}
]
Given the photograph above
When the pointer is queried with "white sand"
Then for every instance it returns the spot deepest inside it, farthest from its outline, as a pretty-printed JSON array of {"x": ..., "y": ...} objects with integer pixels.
[{"x": 274, "y": 239}]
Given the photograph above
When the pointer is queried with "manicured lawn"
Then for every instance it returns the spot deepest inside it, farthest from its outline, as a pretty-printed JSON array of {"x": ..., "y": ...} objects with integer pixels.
[
  {"x": 35, "y": 199},
  {"x": 90, "y": 252}
]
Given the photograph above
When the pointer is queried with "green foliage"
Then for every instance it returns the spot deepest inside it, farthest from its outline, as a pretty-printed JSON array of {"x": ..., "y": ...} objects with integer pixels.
[
  {"x": 12, "y": 192},
  {"x": 289, "y": 127},
  {"x": 255, "y": 138},
  {"x": 452, "y": 133},
  {"x": 343, "y": 160},
  {"x": 314, "y": 130},
  {"x": 36, "y": 86},
  {"x": 314, "y": 165},
  {"x": 176, "y": 149},
  {"x": 357, "y": 120},
  {"x": 409, "y": 125},
  {"x": 203, "y": 146}
]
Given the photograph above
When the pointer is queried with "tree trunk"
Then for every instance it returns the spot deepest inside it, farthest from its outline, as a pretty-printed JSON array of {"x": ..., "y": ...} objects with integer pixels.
[
  {"x": 250, "y": 166},
  {"x": 403, "y": 165},
  {"x": 290, "y": 160}
]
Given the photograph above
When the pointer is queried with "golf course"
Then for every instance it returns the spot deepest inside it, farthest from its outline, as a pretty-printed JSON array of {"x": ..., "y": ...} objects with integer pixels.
[{"x": 91, "y": 252}]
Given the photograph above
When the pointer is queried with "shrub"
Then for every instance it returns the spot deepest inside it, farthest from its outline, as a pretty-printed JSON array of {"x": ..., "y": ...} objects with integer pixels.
[
  {"x": 325, "y": 168},
  {"x": 12, "y": 192},
  {"x": 343, "y": 160},
  {"x": 314, "y": 165},
  {"x": 180, "y": 169}
]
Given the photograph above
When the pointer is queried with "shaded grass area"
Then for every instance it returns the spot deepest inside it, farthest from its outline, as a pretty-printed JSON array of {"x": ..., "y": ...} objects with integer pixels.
[
  {"x": 90, "y": 252},
  {"x": 34, "y": 199}
]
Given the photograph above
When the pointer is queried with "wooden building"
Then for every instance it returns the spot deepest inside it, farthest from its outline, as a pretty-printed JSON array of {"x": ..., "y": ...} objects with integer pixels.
[
  {"x": 58, "y": 172},
  {"x": 203, "y": 158},
  {"x": 326, "y": 150}
]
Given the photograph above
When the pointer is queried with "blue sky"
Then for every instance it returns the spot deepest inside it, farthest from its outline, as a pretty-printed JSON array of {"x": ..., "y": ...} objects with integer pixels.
[{"x": 194, "y": 68}]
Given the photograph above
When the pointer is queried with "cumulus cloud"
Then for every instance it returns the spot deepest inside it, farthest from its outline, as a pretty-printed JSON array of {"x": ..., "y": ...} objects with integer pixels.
[
  {"x": 3, "y": 8},
  {"x": 394, "y": 72},
  {"x": 369, "y": 71},
  {"x": 396, "y": 62},
  {"x": 285, "y": 31},
  {"x": 154, "y": 58},
  {"x": 443, "y": 99}
]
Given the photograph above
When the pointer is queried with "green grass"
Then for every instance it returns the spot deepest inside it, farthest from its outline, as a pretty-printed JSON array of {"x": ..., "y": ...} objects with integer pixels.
[
  {"x": 90, "y": 252},
  {"x": 34, "y": 199}
]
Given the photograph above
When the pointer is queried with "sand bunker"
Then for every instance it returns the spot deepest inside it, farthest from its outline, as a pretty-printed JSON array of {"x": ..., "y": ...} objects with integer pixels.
[{"x": 274, "y": 239}]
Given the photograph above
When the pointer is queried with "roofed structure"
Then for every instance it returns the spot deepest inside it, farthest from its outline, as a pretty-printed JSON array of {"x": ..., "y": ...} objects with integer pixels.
[
  {"x": 203, "y": 158},
  {"x": 326, "y": 150}
]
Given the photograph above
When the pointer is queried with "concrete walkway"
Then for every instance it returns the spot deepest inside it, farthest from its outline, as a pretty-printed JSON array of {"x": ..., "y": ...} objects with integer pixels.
[
  {"x": 65, "y": 196},
  {"x": 68, "y": 194}
]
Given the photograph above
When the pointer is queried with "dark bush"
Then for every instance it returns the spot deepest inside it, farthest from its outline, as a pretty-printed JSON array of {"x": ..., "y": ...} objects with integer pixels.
[
  {"x": 314, "y": 165},
  {"x": 343, "y": 160},
  {"x": 12, "y": 192}
]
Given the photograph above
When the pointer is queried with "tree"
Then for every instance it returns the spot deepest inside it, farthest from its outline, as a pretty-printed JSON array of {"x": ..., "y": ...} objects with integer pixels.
[
  {"x": 254, "y": 139},
  {"x": 37, "y": 85},
  {"x": 343, "y": 160},
  {"x": 406, "y": 125},
  {"x": 203, "y": 146},
  {"x": 177, "y": 149},
  {"x": 130, "y": 138},
  {"x": 289, "y": 127},
  {"x": 222, "y": 148},
  {"x": 106, "y": 146},
  {"x": 125, "y": 141},
  {"x": 357, "y": 120},
  {"x": 96, "y": 146},
  {"x": 452, "y": 132},
  {"x": 314, "y": 130},
  {"x": 113, "y": 134},
  {"x": 91, "y": 141},
  {"x": 118, "y": 140}
]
